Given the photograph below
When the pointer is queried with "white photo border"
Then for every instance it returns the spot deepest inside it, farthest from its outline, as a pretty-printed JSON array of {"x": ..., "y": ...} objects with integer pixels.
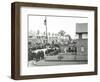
[{"x": 25, "y": 70}]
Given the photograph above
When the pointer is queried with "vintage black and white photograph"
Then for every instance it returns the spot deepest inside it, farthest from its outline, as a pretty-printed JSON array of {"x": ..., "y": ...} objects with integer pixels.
[
  {"x": 53, "y": 40},
  {"x": 57, "y": 40}
]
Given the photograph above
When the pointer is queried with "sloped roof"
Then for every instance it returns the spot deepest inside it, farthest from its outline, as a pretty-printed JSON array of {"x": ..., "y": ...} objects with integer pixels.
[{"x": 81, "y": 27}]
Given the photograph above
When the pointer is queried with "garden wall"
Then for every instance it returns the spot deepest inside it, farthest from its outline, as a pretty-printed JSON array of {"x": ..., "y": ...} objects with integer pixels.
[{"x": 66, "y": 57}]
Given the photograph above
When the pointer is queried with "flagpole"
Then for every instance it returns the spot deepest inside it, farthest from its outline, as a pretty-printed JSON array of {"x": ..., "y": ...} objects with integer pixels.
[{"x": 46, "y": 29}]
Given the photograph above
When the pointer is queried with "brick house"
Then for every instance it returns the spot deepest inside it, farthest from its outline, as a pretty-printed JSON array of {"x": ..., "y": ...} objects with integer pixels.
[{"x": 82, "y": 39}]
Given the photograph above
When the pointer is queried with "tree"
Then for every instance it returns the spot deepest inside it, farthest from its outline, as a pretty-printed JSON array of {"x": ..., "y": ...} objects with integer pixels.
[
  {"x": 61, "y": 33},
  {"x": 69, "y": 37}
]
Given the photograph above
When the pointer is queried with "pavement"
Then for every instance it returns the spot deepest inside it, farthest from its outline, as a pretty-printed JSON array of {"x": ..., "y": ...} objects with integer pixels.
[{"x": 52, "y": 63}]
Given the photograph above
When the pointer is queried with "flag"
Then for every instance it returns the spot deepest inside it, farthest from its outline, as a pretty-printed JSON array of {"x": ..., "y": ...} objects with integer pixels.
[{"x": 45, "y": 21}]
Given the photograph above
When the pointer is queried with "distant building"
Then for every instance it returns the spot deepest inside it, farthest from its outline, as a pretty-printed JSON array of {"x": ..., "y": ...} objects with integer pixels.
[
  {"x": 82, "y": 38},
  {"x": 35, "y": 39},
  {"x": 40, "y": 38}
]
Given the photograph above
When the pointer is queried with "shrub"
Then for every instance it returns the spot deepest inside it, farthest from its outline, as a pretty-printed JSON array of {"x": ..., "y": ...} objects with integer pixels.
[
  {"x": 55, "y": 52},
  {"x": 40, "y": 55},
  {"x": 49, "y": 51},
  {"x": 46, "y": 52},
  {"x": 31, "y": 56},
  {"x": 34, "y": 48},
  {"x": 56, "y": 45}
]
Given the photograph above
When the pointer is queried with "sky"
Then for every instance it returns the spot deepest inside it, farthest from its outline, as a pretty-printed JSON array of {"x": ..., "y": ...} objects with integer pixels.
[{"x": 55, "y": 24}]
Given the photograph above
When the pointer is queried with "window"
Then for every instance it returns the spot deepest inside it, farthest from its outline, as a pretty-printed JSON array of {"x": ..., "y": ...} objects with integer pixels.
[
  {"x": 84, "y": 36},
  {"x": 82, "y": 49}
]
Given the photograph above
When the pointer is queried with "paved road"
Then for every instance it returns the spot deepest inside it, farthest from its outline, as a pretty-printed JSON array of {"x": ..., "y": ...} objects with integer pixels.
[{"x": 50, "y": 63}]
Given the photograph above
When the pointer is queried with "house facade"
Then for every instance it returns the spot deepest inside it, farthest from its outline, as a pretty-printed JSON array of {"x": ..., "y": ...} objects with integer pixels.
[{"x": 82, "y": 39}]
